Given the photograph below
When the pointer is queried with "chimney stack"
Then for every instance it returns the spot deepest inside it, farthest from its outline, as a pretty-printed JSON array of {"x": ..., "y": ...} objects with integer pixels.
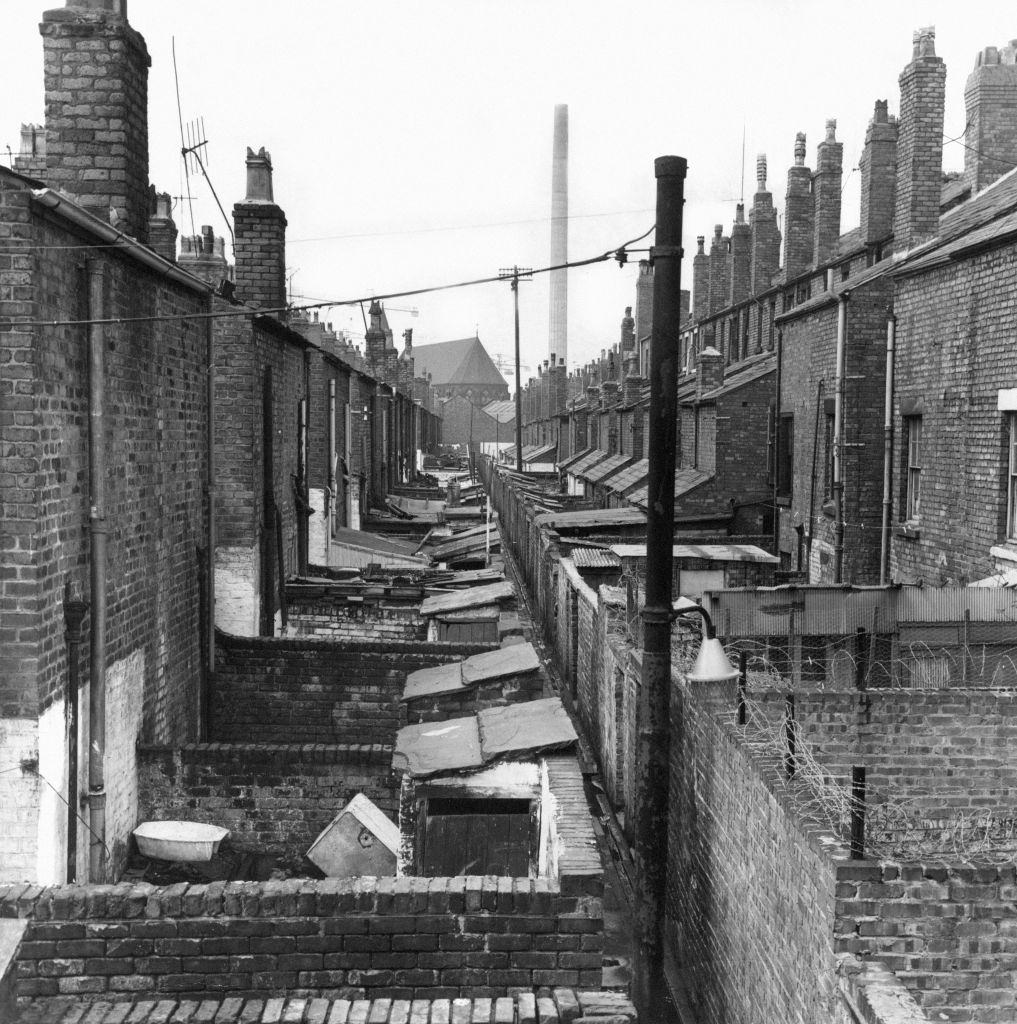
[
  {"x": 878, "y": 167},
  {"x": 990, "y": 99},
  {"x": 799, "y": 215},
  {"x": 700, "y": 282},
  {"x": 741, "y": 258},
  {"x": 204, "y": 256},
  {"x": 720, "y": 270},
  {"x": 162, "y": 232},
  {"x": 765, "y": 236},
  {"x": 31, "y": 159},
  {"x": 920, "y": 144},
  {"x": 628, "y": 333},
  {"x": 558, "y": 333},
  {"x": 826, "y": 191},
  {"x": 96, "y": 74},
  {"x": 260, "y": 228},
  {"x": 710, "y": 372}
]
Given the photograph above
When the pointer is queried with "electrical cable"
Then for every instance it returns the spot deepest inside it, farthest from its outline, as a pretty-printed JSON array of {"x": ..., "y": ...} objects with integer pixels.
[{"x": 610, "y": 254}]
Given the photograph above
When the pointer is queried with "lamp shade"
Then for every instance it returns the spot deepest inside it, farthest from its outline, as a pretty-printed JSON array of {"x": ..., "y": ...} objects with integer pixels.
[{"x": 712, "y": 665}]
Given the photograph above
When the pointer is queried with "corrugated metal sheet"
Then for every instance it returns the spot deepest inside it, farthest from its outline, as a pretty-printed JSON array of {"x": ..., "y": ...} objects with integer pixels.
[
  {"x": 594, "y": 558},
  {"x": 826, "y": 611},
  {"x": 712, "y": 552}
]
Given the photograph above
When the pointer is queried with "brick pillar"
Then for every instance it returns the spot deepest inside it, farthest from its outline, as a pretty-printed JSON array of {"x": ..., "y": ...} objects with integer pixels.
[
  {"x": 990, "y": 99},
  {"x": 826, "y": 191},
  {"x": 765, "y": 236},
  {"x": 96, "y": 74},
  {"x": 204, "y": 256},
  {"x": 741, "y": 258},
  {"x": 878, "y": 166},
  {"x": 919, "y": 144},
  {"x": 799, "y": 221},
  {"x": 720, "y": 270},
  {"x": 260, "y": 228},
  {"x": 162, "y": 232},
  {"x": 710, "y": 372}
]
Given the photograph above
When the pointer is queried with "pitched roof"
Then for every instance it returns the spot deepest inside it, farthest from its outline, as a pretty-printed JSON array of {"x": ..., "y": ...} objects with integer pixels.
[{"x": 464, "y": 361}]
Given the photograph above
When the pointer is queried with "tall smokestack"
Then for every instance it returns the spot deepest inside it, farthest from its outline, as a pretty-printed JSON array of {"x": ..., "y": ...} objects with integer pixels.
[{"x": 558, "y": 328}]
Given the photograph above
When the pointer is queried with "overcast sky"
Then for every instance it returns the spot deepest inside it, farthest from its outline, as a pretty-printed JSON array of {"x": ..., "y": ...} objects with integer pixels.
[{"x": 412, "y": 140}]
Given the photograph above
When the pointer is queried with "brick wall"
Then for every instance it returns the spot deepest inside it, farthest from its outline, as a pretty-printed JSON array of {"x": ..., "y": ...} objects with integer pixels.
[
  {"x": 316, "y": 691},
  {"x": 366, "y": 619},
  {"x": 401, "y": 938},
  {"x": 946, "y": 929},
  {"x": 955, "y": 350},
  {"x": 750, "y": 905},
  {"x": 156, "y": 426},
  {"x": 809, "y": 357},
  {"x": 274, "y": 798}
]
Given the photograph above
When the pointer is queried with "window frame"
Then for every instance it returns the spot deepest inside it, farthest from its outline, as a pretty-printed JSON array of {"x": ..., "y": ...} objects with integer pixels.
[
  {"x": 913, "y": 458},
  {"x": 1011, "y": 476}
]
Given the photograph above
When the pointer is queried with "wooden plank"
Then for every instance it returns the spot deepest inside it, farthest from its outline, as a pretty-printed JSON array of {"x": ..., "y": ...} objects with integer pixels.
[{"x": 467, "y": 598}]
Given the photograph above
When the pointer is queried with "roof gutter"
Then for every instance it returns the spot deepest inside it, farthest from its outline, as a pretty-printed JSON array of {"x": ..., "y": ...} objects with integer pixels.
[{"x": 109, "y": 235}]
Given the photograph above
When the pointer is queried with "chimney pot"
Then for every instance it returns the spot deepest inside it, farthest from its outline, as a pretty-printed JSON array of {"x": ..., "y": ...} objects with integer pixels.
[{"x": 259, "y": 176}]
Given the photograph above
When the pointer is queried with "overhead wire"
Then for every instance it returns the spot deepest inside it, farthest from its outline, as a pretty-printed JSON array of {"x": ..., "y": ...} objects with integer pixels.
[{"x": 610, "y": 254}]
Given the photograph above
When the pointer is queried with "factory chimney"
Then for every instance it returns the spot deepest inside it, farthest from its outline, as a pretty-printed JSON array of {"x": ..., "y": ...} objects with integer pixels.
[{"x": 558, "y": 325}]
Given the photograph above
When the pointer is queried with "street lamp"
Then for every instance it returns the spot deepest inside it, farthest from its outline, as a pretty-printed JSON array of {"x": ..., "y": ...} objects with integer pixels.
[{"x": 712, "y": 664}]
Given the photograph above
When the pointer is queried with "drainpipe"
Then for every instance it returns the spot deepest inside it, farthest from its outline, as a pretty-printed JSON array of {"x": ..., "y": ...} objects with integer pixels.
[
  {"x": 333, "y": 484},
  {"x": 98, "y": 529},
  {"x": 884, "y": 534},
  {"x": 211, "y": 541},
  {"x": 776, "y": 444},
  {"x": 654, "y": 708},
  {"x": 74, "y": 615},
  {"x": 838, "y": 441},
  {"x": 812, "y": 483}
]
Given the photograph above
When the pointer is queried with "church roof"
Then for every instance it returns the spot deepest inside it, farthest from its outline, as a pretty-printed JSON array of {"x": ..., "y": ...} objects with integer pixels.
[{"x": 464, "y": 361}]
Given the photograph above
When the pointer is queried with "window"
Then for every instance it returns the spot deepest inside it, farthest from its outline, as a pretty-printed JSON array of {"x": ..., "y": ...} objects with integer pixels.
[
  {"x": 1011, "y": 476},
  {"x": 913, "y": 494},
  {"x": 785, "y": 456}
]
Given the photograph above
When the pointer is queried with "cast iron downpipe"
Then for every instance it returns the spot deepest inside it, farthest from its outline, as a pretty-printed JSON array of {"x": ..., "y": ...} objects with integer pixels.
[
  {"x": 74, "y": 617},
  {"x": 884, "y": 533},
  {"x": 653, "y": 746},
  {"x": 98, "y": 530},
  {"x": 210, "y": 543},
  {"x": 838, "y": 441},
  {"x": 778, "y": 383}
]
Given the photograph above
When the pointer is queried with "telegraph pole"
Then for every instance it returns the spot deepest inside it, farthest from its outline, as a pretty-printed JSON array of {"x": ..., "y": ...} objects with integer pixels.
[
  {"x": 654, "y": 709},
  {"x": 514, "y": 274}
]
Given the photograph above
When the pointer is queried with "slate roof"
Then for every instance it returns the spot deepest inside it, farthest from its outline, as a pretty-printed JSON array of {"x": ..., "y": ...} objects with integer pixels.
[
  {"x": 604, "y": 469},
  {"x": 574, "y": 458},
  {"x": 630, "y": 476},
  {"x": 504, "y": 411},
  {"x": 591, "y": 458},
  {"x": 685, "y": 480},
  {"x": 464, "y": 361}
]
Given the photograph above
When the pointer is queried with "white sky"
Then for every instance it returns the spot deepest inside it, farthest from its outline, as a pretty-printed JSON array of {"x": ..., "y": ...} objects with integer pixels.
[{"x": 412, "y": 140}]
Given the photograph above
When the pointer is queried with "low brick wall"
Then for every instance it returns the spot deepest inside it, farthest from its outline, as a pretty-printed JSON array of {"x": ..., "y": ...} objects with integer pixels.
[
  {"x": 364, "y": 618},
  {"x": 275, "y": 798},
  {"x": 311, "y": 690},
  {"x": 400, "y": 938}
]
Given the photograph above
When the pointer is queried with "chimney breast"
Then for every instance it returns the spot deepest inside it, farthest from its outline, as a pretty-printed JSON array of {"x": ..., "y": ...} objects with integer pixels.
[
  {"x": 765, "y": 253},
  {"x": 878, "y": 166},
  {"x": 741, "y": 258},
  {"x": 710, "y": 372},
  {"x": 826, "y": 190},
  {"x": 799, "y": 214},
  {"x": 720, "y": 270}
]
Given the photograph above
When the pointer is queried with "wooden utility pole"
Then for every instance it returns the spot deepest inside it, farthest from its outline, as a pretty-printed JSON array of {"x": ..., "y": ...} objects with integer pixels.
[{"x": 513, "y": 274}]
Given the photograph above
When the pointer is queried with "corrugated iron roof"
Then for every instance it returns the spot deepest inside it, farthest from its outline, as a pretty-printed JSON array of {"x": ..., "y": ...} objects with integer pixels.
[
  {"x": 594, "y": 558},
  {"x": 712, "y": 552},
  {"x": 831, "y": 611}
]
